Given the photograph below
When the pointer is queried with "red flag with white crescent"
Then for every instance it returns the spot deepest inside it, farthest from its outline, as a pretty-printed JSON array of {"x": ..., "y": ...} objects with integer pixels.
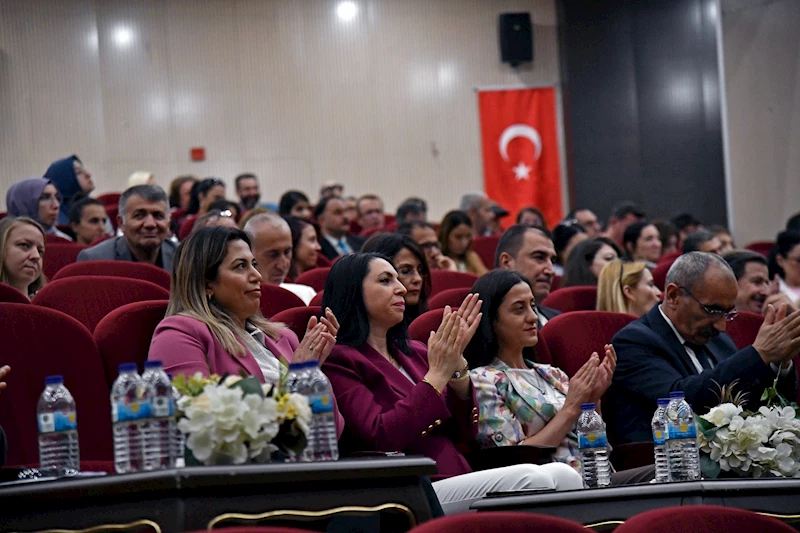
[{"x": 520, "y": 151}]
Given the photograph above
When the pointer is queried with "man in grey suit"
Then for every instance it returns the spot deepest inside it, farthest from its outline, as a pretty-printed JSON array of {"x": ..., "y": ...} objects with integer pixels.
[{"x": 144, "y": 219}]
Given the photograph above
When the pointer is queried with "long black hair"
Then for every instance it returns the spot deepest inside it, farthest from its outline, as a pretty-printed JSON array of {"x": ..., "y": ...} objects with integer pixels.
[
  {"x": 344, "y": 295},
  {"x": 631, "y": 236},
  {"x": 492, "y": 289},
  {"x": 390, "y": 244},
  {"x": 578, "y": 271}
]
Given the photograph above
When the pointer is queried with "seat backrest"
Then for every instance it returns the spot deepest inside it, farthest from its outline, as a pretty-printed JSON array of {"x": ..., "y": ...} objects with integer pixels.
[
  {"x": 109, "y": 198},
  {"x": 9, "y": 294},
  {"x": 323, "y": 261},
  {"x": 500, "y": 522},
  {"x": 761, "y": 247},
  {"x": 581, "y": 298},
  {"x": 296, "y": 318},
  {"x": 670, "y": 257},
  {"x": 59, "y": 255},
  {"x": 317, "y": 299},
  {"x": 660, "y": 274},
  {"x": 314, "y": 278},
  {"x": 47, "y": 342},
  {"x": 744, "y": 328},
  {"x": 702, "y": 519},
  {"x": 421, "y": 327},
  {"x": 186, "y": 226},
  {"x": 572, "y": 337},
  {"x": 451, "y": 297},
  {"x": 49, "y": 238},
  {"x": 556, "y": 284},
  {"x": 117, "y": 269},
  {"x": 441, "y": 280},
  {"x": 485, "y": 247},
  {"x": 275, "y": 299},
  {"x": 112, "y": 211},
  {"x": 90, "y": 298},
  {"x": 124, "y": 334}
]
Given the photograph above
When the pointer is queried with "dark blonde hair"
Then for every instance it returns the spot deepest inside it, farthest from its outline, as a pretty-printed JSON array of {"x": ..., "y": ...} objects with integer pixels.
[
  {"x": 614, "y": 277},
  {"x": 196, "y": 264},
  {"x": 6, "y": 226}
]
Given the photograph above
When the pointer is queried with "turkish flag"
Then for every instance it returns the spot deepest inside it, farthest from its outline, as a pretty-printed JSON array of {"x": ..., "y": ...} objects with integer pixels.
[{"x": 520, "y": 151}]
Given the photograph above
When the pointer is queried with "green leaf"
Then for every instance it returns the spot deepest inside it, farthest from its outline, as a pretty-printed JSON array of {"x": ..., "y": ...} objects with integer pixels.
[
  {"x": 765, "y": 395},
  {"x": 250, "y": 385},
  {"x": 709, "y": 433},
  {"x": 703, "y": 424},
  {"x": 709, "y": 467}
]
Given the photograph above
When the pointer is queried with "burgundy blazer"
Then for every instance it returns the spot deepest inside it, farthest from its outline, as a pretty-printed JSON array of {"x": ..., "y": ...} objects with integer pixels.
[
  {"x": 384, "y": 411},
  {"x": 185, "y": 345}
]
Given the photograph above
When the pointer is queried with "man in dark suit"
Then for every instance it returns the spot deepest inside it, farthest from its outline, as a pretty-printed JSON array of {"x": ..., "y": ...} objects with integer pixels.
[
  {"x": 681, "y": 345},
  {"x": 144, "y": 219},
  {"x": 335, "y": 227},
  {"x": 529, "y": 251}
]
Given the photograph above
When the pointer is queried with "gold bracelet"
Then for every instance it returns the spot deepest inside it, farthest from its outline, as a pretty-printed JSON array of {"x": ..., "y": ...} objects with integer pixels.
[{"x": 425, "y": 380}]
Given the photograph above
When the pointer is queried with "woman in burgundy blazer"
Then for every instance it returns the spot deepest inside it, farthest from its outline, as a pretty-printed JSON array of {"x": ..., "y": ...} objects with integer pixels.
[{"x": 398, "y": 395}]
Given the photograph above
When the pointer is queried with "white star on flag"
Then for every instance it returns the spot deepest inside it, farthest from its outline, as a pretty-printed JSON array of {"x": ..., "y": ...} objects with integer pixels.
[{"x": 522, "y": 171}]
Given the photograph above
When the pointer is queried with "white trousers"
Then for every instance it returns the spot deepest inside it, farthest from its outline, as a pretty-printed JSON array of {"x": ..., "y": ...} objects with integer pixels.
[{"x": 457, "y": 493}]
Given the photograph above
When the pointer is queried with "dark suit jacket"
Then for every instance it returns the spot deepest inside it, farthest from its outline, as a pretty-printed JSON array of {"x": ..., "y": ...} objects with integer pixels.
[
  {"x": 384, "y": 411},
  {"x": 117, "y": 249},
  {"x": 548, "y": 312},
  {"x": 353, "y": 241},
  {"x": 651, "y": 362}
]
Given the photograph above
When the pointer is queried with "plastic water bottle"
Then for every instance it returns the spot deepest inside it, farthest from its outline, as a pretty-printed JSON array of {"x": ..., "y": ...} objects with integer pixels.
[
  {"x": 659, "y": 426},
  {"x": 58, "y": 429},
  {"x": 127, "y": 413},
  {"x": 593, "y": 444},
  {"x": 178, "y": 438},
  {"x": 292, "y": 380},
  {"x": 322, "y": 443},
  {"x": 684, "y": 457},
  {"x": 159, "y": 429}
]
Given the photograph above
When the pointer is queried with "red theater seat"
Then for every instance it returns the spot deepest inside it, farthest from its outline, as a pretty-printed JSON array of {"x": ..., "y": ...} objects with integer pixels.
[
  {"x": 109, "y": 198},
  {"x": 275, "y": 299},
  {"x": 500, "y": 522},
  {"x": 660, "y": 273},
  {"x": 485, "y": 247},
  {"x": 296, "y": 319},
  {"x": 441, "y": 280},
  {"x": 117, "y": 269},
  {"x": 702, "y": 519},
  {"x": 49, "y": 238},
  {"x": 572, "y": 299},
  {"x": 421, "y": 327},
  {"x": 323, "y": 261},
  {"x": 47, "y": 342},
  {"x": 186, "y": 227},
  {"x": 451, "y": 297},
  {"x": 317, "y": 299},
  {"x": 761, "y": 247},
  {"x": 58, "y": 255},
  {"x": 9, "y": 294},
  {"x": 744, "y": 328},
  {"x": 314, "y": 278},
  {"x": 112, "y": 211}
]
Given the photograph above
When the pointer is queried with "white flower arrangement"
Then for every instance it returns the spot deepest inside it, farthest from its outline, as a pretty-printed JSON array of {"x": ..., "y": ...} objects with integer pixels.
[
  {"x": 238, "y": 420},
  {"x": 764, "y": 443}
]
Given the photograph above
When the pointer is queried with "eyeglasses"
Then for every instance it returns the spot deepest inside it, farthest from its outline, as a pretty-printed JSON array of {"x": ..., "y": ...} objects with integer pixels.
[
  {"x": 429, "y": 245},
  {"x": 227, "y": 213},
  {"x": 50, "y": 198},
  {"x": 712, "y": 313}
]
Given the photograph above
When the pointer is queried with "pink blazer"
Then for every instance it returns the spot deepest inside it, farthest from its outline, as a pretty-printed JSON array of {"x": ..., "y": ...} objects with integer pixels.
[
  {"x": 384, "y": 411},
  {"x": 185, "y": 345}
]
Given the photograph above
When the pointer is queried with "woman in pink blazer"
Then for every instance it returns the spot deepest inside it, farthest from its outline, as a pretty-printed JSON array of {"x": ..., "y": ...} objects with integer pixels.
[
  {"x": 399, "y": 395},
  {"x": 213, "y": 323}
]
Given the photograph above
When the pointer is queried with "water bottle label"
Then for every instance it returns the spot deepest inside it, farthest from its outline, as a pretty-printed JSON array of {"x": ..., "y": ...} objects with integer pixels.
[
  {"x": 682, "y": 430},
  {"x": 162, "y": 407},
  {"x": 595, "y": 439},
  {"x": 320, "y": 404},
  {"x": 659, "y": 438},
  {"x": 58, "y": 421},
  {"x": 122, "y": 412}
]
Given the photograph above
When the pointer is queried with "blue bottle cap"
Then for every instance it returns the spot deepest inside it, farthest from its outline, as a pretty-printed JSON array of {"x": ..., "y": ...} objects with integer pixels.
[
  {"x": 587, "y": 406},
  {"x": 306, "y": 364},
  {"x": 663, "y": 401},
  {"x": 677, "y": 394},
  {"x": 153, "y": 364},
  {"x": 127, "y": 367},
  {"x": 54, "y": 380}
]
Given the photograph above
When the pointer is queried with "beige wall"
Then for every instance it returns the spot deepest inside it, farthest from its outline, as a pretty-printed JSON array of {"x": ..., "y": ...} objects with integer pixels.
[
  {"x": 761, "y": 43},
  {"x": 283, "y": 88}
]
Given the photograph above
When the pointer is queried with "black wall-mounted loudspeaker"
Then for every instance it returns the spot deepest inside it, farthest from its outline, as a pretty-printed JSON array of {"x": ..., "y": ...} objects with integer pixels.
[{"x": 516, "y": 38}]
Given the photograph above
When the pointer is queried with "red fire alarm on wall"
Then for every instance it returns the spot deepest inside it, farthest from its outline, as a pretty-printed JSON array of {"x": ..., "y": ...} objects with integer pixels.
[{"x": 198, "y": 154}]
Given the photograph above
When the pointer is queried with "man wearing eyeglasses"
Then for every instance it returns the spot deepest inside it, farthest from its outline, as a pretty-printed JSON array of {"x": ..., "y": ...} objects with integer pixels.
[{"x": 681, "y": 345}]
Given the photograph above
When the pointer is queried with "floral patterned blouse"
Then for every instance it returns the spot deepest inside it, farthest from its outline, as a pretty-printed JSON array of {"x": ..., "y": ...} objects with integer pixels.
[{"x": 517, "y": 403}]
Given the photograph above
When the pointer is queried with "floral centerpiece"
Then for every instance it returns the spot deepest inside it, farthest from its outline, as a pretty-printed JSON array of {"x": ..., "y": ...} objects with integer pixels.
[
  {"x": 236, "y": 420},
  {"x": 765, "y": 443}
]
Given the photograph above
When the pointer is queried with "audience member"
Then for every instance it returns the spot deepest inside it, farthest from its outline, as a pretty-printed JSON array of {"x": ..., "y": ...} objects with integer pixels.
[
  {"x": 529, "y": 251},
  {"x": 397, "y": 395},
  {"x": 88, "y": 218},
  {"x": 350, "y": 210},
  {"x": 642, "y": 242},
  {"x": 295, "y": 204},
  {"x": 305, "y": 246},
  {"x": 271, "y": 239},
  {"x": 247, "y": 190},
  {"x": 411, "y": 210},
  {"x": 588, "y": 220},
  {"x": 226, "y": 205},
  {"x": 701, "y": 240},
  {"x": 335, "y": 228},
  {"x": 180, "y": 192},
  {"x": 793, "y": 224},
  {"x": 411, "y": 266},
  {"x": 144, "y": 220},
  {"x": 724, "y": 237},
  {"x": 36, "y": 198},
  {"x": 141, "y": 177},
  {"x": 455, "y": 236},
  {"x": 756, "y": 292},
  {"x": 531, "y": 216},
  {"x": 786, "y": 265},
  {"x": 479, "y": 210},
  {"x": 70, "y": 178},
  {"x": 495, "y": 227},
  {"x": 686, "y": 224},
  {"x": 566, "y": 235},
  {"x": 213, "y": 324},
  {"x": 623, "y": 215},
  {"x": 425, "y": 237},
  {"x": 330, "y": 189},
  {"x": 21, "y": 250},
  {"x": 587, "y": 261},
  {"x": 627, "y": 287},
  {"x": 369, "y": 209},
  {"x": 213, "y": 218},
  {"x": 668, "y": 234},
  {"x": 681, "y": 345},
  {"x": 205, "y": 193}
]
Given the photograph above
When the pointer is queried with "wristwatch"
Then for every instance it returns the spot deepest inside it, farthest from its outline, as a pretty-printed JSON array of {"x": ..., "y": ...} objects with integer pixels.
[{"x": 458, "y": 374}]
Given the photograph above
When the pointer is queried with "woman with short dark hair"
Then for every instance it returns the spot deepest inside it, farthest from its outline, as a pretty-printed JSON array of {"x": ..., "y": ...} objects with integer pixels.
[{"x": 294, "y": 203}]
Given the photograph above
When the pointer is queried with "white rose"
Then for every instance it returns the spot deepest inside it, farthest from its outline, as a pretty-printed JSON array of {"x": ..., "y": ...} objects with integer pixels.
[
  {"x": 201, "y": 444},
  {"x": 722, "y": 414}
]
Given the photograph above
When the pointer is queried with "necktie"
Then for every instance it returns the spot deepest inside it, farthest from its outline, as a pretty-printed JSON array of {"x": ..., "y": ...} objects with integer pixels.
[
  {"x": 342, "y": 246},
  {"x": 701, "y": 352}
]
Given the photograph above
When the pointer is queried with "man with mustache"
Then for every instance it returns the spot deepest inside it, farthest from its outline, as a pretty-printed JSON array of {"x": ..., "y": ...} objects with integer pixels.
[
  {"x": 681, "y": 345},
  {"x": 756, "y": 291}
]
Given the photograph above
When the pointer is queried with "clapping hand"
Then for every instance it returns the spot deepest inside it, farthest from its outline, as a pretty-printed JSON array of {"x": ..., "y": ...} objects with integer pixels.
[
  {"x": 583, "y": 384},
  {"x": 778, "y": 339},
  {"x": 444, "y": 345},
  {"x": 605, "y": 372},
  {"x": 470, "y": 312},
  {"x": 319, "y": 340},
  {"x": 3, "y": 373}
]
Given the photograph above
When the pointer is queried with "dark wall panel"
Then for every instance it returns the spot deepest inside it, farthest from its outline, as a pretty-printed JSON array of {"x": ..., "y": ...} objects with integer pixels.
[{"x": 642, "y": 106}]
